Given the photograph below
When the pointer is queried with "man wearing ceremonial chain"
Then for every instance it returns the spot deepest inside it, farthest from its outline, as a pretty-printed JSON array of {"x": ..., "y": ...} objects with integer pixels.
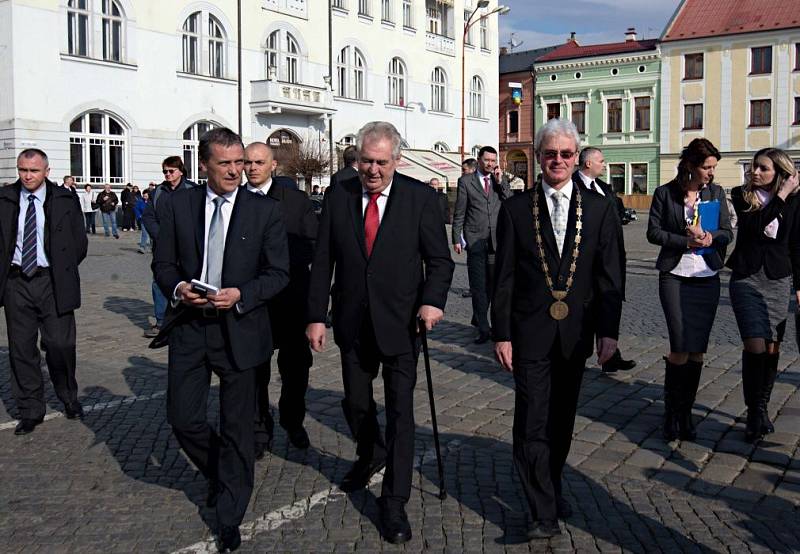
[{"x": 557, "y": 255}]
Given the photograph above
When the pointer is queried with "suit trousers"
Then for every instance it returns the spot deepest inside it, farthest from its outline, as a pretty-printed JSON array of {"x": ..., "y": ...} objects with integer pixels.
[
  {"x": 359, "y": 368},
  {"x": 31, "y": 309},
  {"x": 196, "y": 348},
  {"x": 544, "y": 416},
  {"x": 480, "y": 270}
]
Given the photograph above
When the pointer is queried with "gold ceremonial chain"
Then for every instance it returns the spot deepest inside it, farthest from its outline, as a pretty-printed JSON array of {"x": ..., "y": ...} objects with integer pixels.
[{"x": 559, "y": 309}]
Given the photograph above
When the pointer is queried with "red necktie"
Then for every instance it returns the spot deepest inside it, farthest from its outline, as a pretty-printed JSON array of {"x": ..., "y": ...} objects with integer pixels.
[
  {"x": 371, "y": 221},
  {"x": 486, "y": 185}
]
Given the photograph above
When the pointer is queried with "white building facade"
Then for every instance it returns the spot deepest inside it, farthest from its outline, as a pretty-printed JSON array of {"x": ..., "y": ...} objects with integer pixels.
[{"x": 109, "y": 88}]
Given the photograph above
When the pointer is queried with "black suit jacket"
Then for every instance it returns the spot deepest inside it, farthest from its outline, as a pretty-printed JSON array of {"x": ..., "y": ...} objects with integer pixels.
[
  {"x": 65, "y": 242},
  {"x": 615, "y": 202},
  {"x": 285, "y": 181},
  {"x": 779, "y": 256},
  {"x": 256, "y": 261},
  {"x": 344, "y": 174},
  {"x": 522, "y": 300},
  {"x": 667, "y": 225},
  {"x": 410, "y": 263}
]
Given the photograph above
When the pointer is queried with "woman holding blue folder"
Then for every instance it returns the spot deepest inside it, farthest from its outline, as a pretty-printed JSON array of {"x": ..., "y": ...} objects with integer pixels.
[
  {"x": 689, "y": 219},
  {"x": 766, "y": 266}
]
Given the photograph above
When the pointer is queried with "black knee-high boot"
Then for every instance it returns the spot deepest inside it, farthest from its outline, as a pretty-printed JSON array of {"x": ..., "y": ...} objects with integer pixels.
[
  {"x": 770, "y": 372},
  {"x": 753, "y": 366},
  {"x": 672, "y": 376},
  {"x": 690, "y": 381}
]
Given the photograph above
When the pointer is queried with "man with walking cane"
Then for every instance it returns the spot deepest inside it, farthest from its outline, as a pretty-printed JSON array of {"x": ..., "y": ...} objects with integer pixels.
[{"x": 382, "y": 238}]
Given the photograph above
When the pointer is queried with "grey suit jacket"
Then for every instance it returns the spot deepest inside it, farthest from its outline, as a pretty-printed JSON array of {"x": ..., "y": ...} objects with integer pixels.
[{"x": 475, "y": 214}]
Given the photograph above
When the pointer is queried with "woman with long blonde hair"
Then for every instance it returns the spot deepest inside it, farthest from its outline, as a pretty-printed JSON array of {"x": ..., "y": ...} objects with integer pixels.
[{"x": 766, "y": 266}]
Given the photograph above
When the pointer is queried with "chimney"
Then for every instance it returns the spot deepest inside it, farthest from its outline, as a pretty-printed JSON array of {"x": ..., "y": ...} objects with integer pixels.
[
  {"x": 572, "y": 37},
  {"x": 630, "y": 34}
]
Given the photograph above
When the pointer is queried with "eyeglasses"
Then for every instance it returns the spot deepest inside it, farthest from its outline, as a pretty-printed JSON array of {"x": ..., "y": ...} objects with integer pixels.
[
  {"x": 553, "y": 154},
  {"x": 169, "y": 171}
]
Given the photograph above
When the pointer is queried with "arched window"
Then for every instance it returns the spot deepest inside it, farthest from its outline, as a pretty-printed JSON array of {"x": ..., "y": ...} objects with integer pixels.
[
  {"x": 97, "y": 149},
  {"x": 438, "y": 90},
  {"x": 283, "y": 57},
  {"x": 476, "y": 97},
  {"x": 91, "y": 19},
  {"x": 397, "y": 82},
  {"x": 191, "y": 140},
  {"x": 203, "y": 49},
  {"x": 348, "y": 140},
  {"x": 441, "y": 147},
  {"x": 351, "y": 72}
]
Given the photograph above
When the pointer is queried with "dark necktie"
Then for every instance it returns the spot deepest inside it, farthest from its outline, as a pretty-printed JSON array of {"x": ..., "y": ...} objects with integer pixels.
[
  {"x": 593, "y": 185},
  {"x": 28, "y": 261},
  {"x": 260, "y": 192},
  {"x": 371, "y": 221},
  {"x": 486, "y": 185}
]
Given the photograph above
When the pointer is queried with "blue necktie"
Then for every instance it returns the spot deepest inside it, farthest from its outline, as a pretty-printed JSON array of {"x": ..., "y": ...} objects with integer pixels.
[{"x": 28, "y": 262}]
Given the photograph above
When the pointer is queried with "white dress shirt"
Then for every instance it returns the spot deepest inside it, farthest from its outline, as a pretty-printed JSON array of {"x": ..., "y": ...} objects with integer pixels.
[
  {"x": 226, "y": 210},
  {"x": 382, "y": 199},
  {"x": 588, "y": 182},
  {"x": 548, "y": 194},
  {"x": 40, "y": 194},
  {"x": 771, "y": 230},
  {"x": 263, "y": 188}
]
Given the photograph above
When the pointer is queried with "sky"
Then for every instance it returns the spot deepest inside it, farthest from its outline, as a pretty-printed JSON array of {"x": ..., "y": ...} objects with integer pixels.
[{"x": 541, "y": 23}]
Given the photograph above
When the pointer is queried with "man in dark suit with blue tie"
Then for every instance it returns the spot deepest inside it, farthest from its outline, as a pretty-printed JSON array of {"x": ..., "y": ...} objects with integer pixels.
[
  {"x": 231, "y": 239},
  {"x": 43, "y": 241}
]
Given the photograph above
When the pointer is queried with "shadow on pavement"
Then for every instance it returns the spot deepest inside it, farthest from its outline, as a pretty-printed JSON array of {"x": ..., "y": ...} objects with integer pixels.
[{"x": 137, "y": 311}]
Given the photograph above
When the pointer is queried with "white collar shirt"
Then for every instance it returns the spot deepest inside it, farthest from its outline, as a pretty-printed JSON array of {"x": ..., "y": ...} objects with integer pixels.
[
  {"x": 382, "y": 200},
  {"x": 40, "y": 194},
  {"x": 550, "y": 191},
  {"x": 264, "y": 189},
  {"x": 588, "y": 182},
  {"x": 226, "y": 209}
]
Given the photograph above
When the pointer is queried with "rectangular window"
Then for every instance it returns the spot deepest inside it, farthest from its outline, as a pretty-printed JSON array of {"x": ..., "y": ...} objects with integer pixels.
[
  {"x": 341, "y": 4},
  {"x": 642, "y": 114},
  {"x": 513, "y": 122},
  {"x": 363, "y": 7},
  {"x": 693, "y": 66},
  {"x": 579, "y": 116},
  {"x": 797, "y": 110},
  {"x": 760, "y": 113},
  {"x": 386, "y": 10},
  {"x": 468, "y": 39},
  {"x": 553, "y": 111},
  {"x": 761, "y": 60},
  {"x": 76, "y": 147},
  {"x": 638, "y": 179},
  {"x": 434, "y": 20},
  {"x": 614, "y": 107},
  {"x": 616, "y": 173},
  {"x": 693, "y": 116},
  {"x": 797, "y": 56},
  {"x": 408, "y": 15},
  {"x": 484, "y": 33}
]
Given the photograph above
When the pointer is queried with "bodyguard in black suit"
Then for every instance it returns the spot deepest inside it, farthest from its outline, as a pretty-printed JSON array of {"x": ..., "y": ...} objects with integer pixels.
[
  {"x": 558, "y": 282},
  {"x": 235, "y": 240},
  {"x": 42, "y": 241},
  {"x": 287, "y": 310},
  {"x": 383, "y": 240},
  {"x": 591, "y": 165},
  {"x": 348, "y": 170}
]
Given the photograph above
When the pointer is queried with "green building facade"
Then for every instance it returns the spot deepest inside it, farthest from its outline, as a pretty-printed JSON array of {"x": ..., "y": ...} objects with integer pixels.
[{"x": 611, "y": 93}]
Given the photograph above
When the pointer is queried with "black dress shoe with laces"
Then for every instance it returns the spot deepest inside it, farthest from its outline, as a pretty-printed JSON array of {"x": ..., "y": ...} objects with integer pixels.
[
  {"x": 543, "y": 529},
  {"x": 229, "y": 538},
  {"x": 74, "y": 410},
  {"x": 299, "y": 438},
  {"x": 360, "y": 474},
  {"x": 394, "y": 523},
  {"x": 616, "y": 363},
  {"x": 26, "y": 426}
]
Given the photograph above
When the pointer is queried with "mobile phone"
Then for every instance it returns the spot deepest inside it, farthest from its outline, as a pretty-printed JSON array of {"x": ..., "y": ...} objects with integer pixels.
[{"x": 203, "y": 289}]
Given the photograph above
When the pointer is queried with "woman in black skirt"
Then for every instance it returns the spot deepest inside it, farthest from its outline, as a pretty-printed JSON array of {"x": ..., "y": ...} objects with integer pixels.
[
  {"x": 766, "y": 267},
  {"x": 688, "y": 282}
]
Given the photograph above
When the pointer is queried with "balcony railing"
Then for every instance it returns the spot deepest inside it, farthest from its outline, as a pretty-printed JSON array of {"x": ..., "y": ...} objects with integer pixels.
[
  {"x": 275, "y": 97},
  {"x": 440, "y": 43}
]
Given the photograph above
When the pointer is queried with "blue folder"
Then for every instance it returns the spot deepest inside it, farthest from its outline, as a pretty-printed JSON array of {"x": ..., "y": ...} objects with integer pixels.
[{"x": 709, "y": 221}]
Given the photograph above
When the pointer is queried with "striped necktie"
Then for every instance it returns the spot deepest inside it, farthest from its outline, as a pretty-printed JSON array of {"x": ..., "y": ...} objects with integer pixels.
[
  {"x": 29, "y": 254},
  {"x": 215, "y": 250}
]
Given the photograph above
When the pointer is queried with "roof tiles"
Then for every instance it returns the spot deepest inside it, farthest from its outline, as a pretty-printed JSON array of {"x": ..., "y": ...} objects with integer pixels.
[
  {"x": 571, "y": 49},
  {"x": 708, "y": 18}
]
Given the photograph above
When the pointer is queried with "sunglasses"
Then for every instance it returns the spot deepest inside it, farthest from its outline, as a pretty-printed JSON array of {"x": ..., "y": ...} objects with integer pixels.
[
  {"x": 553, "y": 154},
  {"x": 169, "y": 171}
]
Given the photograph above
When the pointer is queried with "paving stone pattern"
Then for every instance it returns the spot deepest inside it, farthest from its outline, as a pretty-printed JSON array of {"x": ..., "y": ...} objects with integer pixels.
[{"x": 117, "y": 481}]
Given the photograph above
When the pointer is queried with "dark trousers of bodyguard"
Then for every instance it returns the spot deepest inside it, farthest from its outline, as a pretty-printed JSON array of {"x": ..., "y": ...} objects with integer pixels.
[
  {"x": 196, "y": 349},
  {"x": 544, "y": 417},
  {"x": 480, "y": 270},
  {"x": 360, "y": 365},
  {"x": 30, "y": 309}
]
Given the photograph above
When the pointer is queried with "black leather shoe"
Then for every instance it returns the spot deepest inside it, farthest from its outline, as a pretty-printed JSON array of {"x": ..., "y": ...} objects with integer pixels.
[
  {"x": 563, "y": 507},
  {"x": 483, "y": 338},
  {"x": 73, "y": 410},
  {"x": 543, "y": 529},
  {"x": 26, "y": 426},
  {"x": 360, "y": 474},
  {"x": 394, "y": 523},
  {"x": 299, "y": 438},
  {"x": 213, "y": 493},
  {"x": 616, "y": 363},
  {"x": 228, "y": 539}
]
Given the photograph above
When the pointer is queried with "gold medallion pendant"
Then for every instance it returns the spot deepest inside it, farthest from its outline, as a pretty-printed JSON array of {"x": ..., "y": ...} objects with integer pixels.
[{"x": 559, "y": 310}]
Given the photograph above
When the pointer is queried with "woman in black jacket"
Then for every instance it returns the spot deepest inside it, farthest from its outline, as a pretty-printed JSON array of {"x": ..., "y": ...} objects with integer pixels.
[
  {"x": 688, "y": 283},
  {"x": 765, "y": 264}
]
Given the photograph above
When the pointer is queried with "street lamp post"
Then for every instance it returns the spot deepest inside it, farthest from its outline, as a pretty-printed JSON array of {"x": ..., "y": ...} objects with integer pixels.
[{"x": 502, "y": 10}]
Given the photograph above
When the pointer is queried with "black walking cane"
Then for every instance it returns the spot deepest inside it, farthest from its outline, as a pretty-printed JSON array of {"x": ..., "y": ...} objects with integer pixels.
[{"x": 423, "y": 333}]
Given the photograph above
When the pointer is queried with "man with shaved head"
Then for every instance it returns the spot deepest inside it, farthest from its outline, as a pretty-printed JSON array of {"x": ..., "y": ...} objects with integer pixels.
[
  {"x": 287, "y": 309},
  {"x": 43, "y": 236}
]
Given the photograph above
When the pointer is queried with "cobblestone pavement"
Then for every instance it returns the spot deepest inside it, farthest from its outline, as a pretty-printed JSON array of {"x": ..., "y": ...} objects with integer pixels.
[{"x": 117, "y": 482}]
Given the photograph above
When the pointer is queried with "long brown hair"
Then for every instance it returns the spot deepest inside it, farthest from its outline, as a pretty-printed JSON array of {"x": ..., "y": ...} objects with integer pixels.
[
  {"x": 784, "y": 168},
  {"x": 693, "y": 156}
]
